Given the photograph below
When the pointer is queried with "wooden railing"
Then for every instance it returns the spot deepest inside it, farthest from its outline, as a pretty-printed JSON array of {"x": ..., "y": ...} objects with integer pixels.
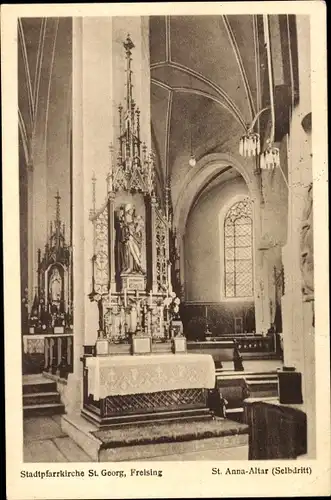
[
  {"x": 253, "y": 343},
  {"x": 58, "y": 351}
]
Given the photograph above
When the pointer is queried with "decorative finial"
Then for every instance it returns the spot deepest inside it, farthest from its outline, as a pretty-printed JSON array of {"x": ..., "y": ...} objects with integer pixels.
[
  {"x": 57, "y": 213},
  {"x": 167, "y": 197},
  {"x": 128, "y": 45}
]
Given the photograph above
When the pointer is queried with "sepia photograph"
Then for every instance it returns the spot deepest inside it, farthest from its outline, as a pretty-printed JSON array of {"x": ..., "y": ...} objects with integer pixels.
[{"x": 165, "y": 194}]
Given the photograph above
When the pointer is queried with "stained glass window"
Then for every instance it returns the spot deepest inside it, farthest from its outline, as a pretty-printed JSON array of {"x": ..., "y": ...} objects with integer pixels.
[{"x": 238, "y": 250}]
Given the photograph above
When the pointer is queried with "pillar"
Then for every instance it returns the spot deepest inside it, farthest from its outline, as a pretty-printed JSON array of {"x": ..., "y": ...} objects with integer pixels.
[
  {"x": 260, "y": 263},
  {"x": 299, "y": 342},
  {"x": 74, "y": 386},
  {"x": 98, "y": 88}
]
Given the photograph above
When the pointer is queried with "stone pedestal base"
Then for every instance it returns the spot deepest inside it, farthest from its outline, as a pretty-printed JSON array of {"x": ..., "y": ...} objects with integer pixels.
[
  {"x": 133, "y": 282},
  {"x": 72, "y": 395},
  {"x": 219, "y": 448}
]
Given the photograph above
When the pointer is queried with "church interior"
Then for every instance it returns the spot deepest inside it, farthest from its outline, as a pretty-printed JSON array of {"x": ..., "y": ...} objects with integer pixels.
[{"x": 166, "y": 236}]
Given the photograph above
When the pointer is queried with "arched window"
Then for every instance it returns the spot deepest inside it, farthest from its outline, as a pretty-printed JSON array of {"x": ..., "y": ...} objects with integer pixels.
[{"x": 238, "y": 253}]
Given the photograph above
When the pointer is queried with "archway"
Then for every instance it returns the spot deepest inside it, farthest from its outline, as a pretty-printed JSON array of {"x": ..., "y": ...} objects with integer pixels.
[{"x": 216, "y": 177}]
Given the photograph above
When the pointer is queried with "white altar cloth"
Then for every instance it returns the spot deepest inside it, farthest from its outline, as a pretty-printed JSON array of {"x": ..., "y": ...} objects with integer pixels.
[{"x": 121, "y": 375}]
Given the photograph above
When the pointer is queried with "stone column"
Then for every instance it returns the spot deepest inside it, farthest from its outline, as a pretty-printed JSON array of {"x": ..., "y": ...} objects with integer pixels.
[
  {"x": 260, "y": 274},
  {"x": 98, "y": 88},
  {"x": 32, "y": 256},
  {"x": 97, "y": 117},
  {"x": 299, "y": 342},
  {"x": 38, "y": 184},
  {"x": 73, "y": 395}
]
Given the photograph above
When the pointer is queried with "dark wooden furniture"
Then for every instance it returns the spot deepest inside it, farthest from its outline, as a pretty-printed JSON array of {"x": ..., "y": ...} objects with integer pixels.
[
  {"x": 50, "y": 353},
  {"x": 220, "y": 351},
  {"x": 275, "y": 431}
]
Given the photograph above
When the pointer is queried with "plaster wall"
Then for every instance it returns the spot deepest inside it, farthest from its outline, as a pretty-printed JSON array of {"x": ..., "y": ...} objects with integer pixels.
[{"x": 203, "y": 247}]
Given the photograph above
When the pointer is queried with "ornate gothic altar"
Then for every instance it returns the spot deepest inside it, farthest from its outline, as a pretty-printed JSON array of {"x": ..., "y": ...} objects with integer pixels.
[
  {"x": 51, "y": 311},
  {"x": 131, "y": 281},
  {"x": 47, "y": 324},
  {"x": 132, "y": 289}
]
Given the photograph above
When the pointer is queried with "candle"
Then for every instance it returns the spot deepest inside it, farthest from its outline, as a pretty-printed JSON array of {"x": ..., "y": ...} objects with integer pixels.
[
  {"x": 133, "y": 320},
  {"x": 125, "y": 298},
  {"x": 149, "y": 322},
  {"x": 115, "y": 332},
  {"x": 122, "y": 317},
  {"x": 169, "y": 278}
]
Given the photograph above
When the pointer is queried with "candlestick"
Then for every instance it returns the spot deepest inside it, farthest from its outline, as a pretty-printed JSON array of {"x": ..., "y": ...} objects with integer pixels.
[
  {"x": 151, "y": 299},
  {"x": 161, "y": 318},
  {"x": 144, "y": 322},
  {"x": 149, "y": 322}
]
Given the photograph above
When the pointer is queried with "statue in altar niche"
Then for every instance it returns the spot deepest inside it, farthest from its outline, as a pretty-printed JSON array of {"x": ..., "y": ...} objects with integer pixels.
[
  {"x": 55, "y": 288},
  {"x": 130, "y": 235},
  {"x": 307, "y": 247}
]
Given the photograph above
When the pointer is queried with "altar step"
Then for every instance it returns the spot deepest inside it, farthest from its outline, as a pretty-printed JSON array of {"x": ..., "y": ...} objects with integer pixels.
[
  {"x": 156, "y": 417},
  {"x": 40, "y": 397},
  {"x": 212, "y": 439}
]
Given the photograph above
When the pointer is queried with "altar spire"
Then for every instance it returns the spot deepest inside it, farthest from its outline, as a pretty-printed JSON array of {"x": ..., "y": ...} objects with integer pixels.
[
  {"x": 133, "y": 170},
  {"x": 57, "y": 212}
]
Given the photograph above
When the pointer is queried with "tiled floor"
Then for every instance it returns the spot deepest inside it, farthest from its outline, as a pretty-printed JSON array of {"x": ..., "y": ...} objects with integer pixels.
[{"x": 44, "y": 441}]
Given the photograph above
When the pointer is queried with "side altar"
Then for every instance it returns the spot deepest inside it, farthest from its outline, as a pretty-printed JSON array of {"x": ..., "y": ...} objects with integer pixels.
[
  {"x": 139, "y": 368},
  {"x": 47, "y": 322}
]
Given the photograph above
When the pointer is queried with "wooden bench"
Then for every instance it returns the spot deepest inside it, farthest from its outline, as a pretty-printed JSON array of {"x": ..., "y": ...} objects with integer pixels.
[{"x": 221, "y": 350}]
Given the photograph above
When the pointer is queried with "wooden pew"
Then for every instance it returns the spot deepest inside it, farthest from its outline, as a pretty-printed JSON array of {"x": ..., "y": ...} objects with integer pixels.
[{"x": 221, "y": 350}]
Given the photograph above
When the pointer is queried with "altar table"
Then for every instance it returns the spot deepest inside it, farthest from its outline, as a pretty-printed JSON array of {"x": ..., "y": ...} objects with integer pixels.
[{"x": 129, "y": 375}]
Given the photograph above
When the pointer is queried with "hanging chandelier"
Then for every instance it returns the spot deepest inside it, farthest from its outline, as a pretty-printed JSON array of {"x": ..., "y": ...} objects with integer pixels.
[
  {"x": 250, "y": 144},
  {"x": 269, "y": 159}
]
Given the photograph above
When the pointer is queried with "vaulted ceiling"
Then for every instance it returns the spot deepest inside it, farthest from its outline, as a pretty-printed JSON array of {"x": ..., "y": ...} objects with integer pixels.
[
  {"x": 205, "y": 74},
  {"x": 44, "y": 75}
]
